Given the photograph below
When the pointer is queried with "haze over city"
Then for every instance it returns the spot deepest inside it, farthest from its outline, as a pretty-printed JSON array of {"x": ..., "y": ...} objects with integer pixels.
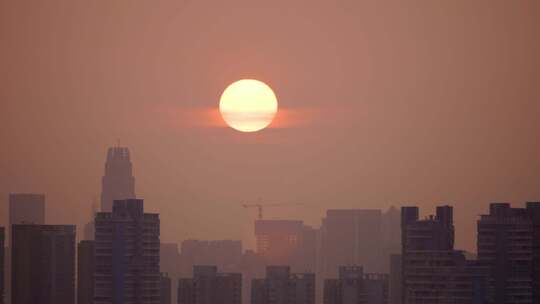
[{"x": 367, "y": 105}]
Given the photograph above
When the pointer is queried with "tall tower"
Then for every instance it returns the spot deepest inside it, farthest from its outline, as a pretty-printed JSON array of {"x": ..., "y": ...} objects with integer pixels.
[{"x": 118, "y": 182}]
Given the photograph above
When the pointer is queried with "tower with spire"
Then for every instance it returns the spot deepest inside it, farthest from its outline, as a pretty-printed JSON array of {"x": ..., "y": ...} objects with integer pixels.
[{"x": 118, "y": 183}]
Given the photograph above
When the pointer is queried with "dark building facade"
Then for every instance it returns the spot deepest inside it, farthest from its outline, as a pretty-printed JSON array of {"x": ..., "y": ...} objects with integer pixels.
[
  {"x": 508, "y": 242},
  {"x": 208, "y": 286},
  {"x": 127, "y": 255},
  {"x": 118, "y": 182},
  {"x": 24, "y": 208},
  {"x": 433, "y": 272},
  {"x": 85, "y": 272},
  {"x": 280, "y": 286},
  {"x": 43, "y": 259}
]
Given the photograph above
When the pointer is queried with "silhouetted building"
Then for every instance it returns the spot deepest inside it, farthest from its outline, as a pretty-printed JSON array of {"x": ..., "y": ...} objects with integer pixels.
[
  {"x": 390, "y": 236},
  {"x": 169, "y": 263},
  {"x": 43, "y": 259},
  {"x": 210, "y": 287},
  {"x": 118, "y": 182},
  {"x": 2, "y": 239},
  {"x": 282, "y": 287},
  {"x": 127, "y": 255},
  {"x": 395, "y": 294},
  {"x": 433, "y": 272},
  {"x": 85, "y": 272},
  {"x": 24, "y": 208},
  {"x": 165, "y": 297},
  {"x": 351, "y": 237},
  {"x": 508, "y": 241},
  {"x": 355, "y": 287}
]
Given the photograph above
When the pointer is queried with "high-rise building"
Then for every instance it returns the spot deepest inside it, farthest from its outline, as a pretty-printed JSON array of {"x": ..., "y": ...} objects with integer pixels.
[
  {"x": 280, "y": 286},
  {"x": 85, "y": 272},
  {"x": 127, "y": 255},
  {"x": 2, "y": 239},
  {"x": 356, "y": 287},
  {"x": 433, "y": 272},
  {"x": 395, "y": 294},
  {"x": 24, "y": 208},
  {"x": 165, "y": 297},
  {"x": 43, "y": 264},
  {"x": 508, "y": 242},
  {"x": 208, "y": 286},
  {"x": 351, "y": 237},
  {"x": 118, "y": 182}
]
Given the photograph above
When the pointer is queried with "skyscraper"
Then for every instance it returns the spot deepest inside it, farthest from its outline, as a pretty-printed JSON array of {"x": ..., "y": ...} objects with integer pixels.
[
  {"x": 433, "y": 272},
  {"x": 127, "y": 255},
  {"x": 118, "y": 182},
  {"x": 210, "y": 287},
  {"x": 351, "y": 237},
  {"x": 508, "y": 242},
  {"x": 280, "y": 286},
  {"x": 85, "y": 272},
  {"x": 24, "y": 208},
  {"x": 43, "y": 259}
]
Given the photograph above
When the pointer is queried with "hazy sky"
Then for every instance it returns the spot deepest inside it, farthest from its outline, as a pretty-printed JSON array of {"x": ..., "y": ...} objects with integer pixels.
[{"x": 381, "y": 103}]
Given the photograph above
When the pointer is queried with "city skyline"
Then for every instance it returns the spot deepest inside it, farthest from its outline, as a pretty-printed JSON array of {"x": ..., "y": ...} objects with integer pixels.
[
  {"x": 379, "y": 105},
  {"x": 270, "y": 152}
]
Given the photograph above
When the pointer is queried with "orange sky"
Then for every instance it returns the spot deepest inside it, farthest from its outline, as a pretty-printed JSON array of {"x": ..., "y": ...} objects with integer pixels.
[{"x": 383, "y": 102}]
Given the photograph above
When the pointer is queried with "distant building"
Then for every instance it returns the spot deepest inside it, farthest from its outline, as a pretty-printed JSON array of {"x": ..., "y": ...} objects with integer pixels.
[
  {"x": 85, "y": 272},
  {"x": 355, "y": 287},
  {"x": 208, "y": 286},
  {"x": 118, "y": 182},
  {"x": 433, "y": 272},
  {"x": 395, "y": 294},
  {"x": 165, "y": 297},
  {"x": 509, "y": 242},
  {"x": 127, "y": 255},
  {"x": 2, "y": 240},
  {"x": 287, "y": 242},
  {"x": 225, "y": 254},
  {"x": 351, "y": 237},
  {"x": 43, "y": 259},
  {"x": 169, "y": 263},
  {"x": 281, "y": 287},
  {"x": 24, "y": 208}
]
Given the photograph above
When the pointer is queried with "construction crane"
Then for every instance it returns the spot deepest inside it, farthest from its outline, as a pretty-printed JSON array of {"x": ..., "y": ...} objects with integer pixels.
[{"x": 261, "y": 206}]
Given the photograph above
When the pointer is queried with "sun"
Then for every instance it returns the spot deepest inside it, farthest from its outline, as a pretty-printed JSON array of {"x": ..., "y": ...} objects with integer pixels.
[{"x": 248, "y": 105}]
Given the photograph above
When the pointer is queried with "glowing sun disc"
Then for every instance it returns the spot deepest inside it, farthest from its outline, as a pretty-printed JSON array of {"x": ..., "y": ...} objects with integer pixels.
[{"x": 248, "y": 105}]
